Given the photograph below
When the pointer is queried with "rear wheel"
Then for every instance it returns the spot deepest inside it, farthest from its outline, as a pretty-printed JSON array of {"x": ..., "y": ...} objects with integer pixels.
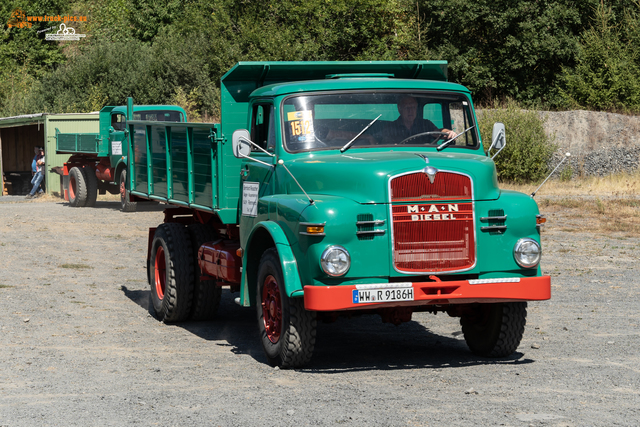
[
  {"x": 77, "y": 187},
  {"x": 171, "y": 273},
  {"x": 125, "y": 204},
  {"x": 206, "y": 294},
  {"x": 495, "y": 330},
  {"x": 287, "y": 330},
  {"x": 92, "y": 186}
]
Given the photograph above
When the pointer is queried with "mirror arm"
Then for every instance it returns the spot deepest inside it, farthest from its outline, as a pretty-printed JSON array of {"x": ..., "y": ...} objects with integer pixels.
[
  {"x": 257, "y": 146},
  {"x": 498, "y": 152},
  {"x": 242, "y": 156},
  {"x": 494, "y": 142}
]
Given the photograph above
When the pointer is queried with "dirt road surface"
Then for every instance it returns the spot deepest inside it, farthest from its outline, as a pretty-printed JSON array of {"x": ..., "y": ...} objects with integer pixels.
[{"x": 78, "y": 346}]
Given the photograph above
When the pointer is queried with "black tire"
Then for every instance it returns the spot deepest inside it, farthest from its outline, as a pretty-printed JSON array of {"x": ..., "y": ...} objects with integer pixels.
[
  {"x": 92, "y": 186},
  {"x": 77, "y": 187},
  {"x": 125, "y": 204},
  {"x": 206, "y": 294},
  {"x": 288, "y": 333},
  {"x": 170, "y": 273},
  {"x": 495, "y": 330}
]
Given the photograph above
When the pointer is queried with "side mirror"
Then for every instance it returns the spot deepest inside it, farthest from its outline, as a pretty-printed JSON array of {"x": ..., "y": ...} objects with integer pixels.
[
  {"x": 498, "y": 138},
  {"x": 241, "y": 143}
]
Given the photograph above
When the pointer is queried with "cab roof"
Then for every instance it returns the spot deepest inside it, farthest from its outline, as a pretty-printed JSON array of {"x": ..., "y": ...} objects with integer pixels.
[
  {"x": 358, "y": 83},
  {"x": 245, "y": 77}
]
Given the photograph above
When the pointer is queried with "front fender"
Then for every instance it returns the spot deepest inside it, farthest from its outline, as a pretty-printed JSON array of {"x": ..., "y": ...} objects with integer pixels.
[{"x": 265, "y": 235}]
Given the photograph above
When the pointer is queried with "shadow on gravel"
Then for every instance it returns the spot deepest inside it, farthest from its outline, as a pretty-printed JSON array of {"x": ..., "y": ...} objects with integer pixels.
[
  {"x": 362, "y": 343},
  {"x": 115, "y": 206}
]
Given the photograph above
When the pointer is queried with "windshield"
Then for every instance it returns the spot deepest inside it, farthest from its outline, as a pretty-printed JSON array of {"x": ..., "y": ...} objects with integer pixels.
[{"x": 329, "y": 121}]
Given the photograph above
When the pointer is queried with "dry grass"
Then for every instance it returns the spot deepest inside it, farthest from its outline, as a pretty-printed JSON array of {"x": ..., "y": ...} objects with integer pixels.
[
  {"x": 618, "y": 185},
  {"x": 608, "y": 204}
]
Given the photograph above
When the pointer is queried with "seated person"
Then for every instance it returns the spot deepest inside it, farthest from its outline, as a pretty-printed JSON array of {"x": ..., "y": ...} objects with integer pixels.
[{"x": 408, "y": 125}]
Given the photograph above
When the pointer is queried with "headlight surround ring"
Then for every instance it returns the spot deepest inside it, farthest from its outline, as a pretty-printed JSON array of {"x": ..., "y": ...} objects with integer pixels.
[
  {"x": 335, "y": 261},
  {"x": 527, "y": 253}
]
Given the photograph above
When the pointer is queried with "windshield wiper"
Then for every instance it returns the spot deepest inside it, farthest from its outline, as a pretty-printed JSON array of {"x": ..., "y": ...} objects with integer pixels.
[
  {"x": 348, "y": 144},
  {"x": 446, "y": 143}
]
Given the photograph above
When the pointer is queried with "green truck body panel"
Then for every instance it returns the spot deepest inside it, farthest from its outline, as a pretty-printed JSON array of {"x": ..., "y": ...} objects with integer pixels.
[
  {"x": 193, "y": 165},
  {"x": 288, "y": 260}
]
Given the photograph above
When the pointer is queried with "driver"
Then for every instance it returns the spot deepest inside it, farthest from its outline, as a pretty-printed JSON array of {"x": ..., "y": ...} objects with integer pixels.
[{"x": 406, "y": 125}]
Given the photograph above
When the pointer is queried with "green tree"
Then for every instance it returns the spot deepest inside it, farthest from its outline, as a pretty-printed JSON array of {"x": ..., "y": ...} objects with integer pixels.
[
  {"x": 503, "y": 48},
  {"x": 25, "y": 55},
  {"x": 607, "y": 71}
]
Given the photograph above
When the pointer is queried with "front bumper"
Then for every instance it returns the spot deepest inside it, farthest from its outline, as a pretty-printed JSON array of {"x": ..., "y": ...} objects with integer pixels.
[{"x": 334, "y": 298}]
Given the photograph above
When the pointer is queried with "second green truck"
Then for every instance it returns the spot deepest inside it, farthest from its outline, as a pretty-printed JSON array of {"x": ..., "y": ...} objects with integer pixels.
[{"x": 98, "y": 161}]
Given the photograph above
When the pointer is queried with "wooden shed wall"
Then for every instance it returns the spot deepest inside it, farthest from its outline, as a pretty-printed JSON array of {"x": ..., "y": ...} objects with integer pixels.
[
  {"x": 17, "y": 153},
  {"x": 17, "y": 147}
]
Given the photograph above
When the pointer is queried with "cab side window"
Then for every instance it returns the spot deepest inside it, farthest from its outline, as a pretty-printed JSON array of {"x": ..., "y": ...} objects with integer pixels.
[
  {"x": 263, "y": 127},
  {"x": 118, "y": 122}
]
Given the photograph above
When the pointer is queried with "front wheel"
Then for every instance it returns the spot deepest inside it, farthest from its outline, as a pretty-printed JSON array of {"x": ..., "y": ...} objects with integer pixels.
[
  {"x": 287, "y": 330},
  {"x": 494, "y": 330},
  {"x": 126, "y": 205}
]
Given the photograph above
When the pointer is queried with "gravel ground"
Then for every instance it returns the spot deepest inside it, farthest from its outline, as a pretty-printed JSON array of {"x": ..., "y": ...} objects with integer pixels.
[{"x": 78, "y": 346}]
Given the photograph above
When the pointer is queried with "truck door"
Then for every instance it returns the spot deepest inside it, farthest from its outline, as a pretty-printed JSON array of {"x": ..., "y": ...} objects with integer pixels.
[
  {"x": 257, "y": 178},
  {"x": 118, "y": 146}
]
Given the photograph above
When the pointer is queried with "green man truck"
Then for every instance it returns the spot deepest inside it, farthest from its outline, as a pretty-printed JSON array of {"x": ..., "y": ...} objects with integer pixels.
[
  {"x": 338, "y": 188},
  {"x": 98, "y": 161}
]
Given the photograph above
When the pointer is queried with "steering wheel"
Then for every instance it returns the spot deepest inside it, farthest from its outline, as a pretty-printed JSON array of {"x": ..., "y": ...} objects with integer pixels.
[{"x": 437, "y": 136}]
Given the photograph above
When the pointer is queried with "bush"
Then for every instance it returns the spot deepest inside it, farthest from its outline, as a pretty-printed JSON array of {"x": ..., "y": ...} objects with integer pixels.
[{"x": 526, "y": 157}]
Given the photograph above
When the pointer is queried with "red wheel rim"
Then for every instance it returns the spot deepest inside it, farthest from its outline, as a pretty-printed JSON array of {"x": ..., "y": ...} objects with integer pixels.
[
  {"x": 160, "y": 272},
  {"x": 72, "y": 187},
  {"x": 272, "y": 309},
  {"x": 122, "y": 191}
]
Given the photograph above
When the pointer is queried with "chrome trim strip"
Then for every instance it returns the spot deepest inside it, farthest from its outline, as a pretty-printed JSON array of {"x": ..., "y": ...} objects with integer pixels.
[
  {"x": 364, "y": 233},
  {"x": 494, "y": 228},
  {"x": 375, "y": 222},
  {"x": 313, "y": 224},
  {"x": 472, "y": 200},
  {"x": 485, "y": 281},
  {"x": 304, "y": 233},
  {"x": 384, "y": 286},
  {"x": 494, "y": 218}
]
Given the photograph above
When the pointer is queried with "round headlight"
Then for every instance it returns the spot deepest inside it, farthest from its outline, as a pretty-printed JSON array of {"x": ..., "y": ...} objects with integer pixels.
[
  {"x": 335, "y": 261},
  {"x": 527, "y": 253}
]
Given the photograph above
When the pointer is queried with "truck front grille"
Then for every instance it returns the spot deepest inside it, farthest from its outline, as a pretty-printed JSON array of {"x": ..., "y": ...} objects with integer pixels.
[
  {"x": 432, "y": 232},
  {"x": 416, "y": 186}
]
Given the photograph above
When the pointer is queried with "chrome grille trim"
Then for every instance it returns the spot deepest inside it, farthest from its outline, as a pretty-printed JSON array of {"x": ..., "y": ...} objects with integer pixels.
[
  {"x": 370, "y": 232},
  {"x": 493, "y": 218},
  {"x": 471, "y": 200},
  {"x": 375, "y": 222},
  {"x": 494, "y": 228}
]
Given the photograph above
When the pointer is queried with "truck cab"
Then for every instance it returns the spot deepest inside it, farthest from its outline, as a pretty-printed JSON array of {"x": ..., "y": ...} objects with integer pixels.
[
  {"x": 339, "y": 188},
  {"x": 387, "y": 200}
]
